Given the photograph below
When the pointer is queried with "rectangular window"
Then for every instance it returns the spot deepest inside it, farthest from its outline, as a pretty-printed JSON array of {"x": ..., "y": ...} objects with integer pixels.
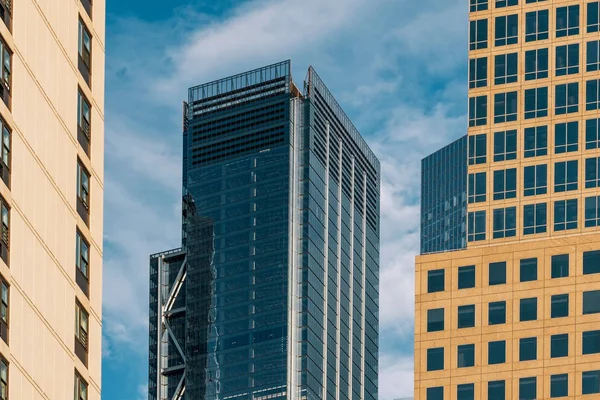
[
  {"x": 497, "y": 313},
  {"x": 83, "y": 192},
  {"x": 4, "y": 302},
  {"x": 528, "y": 269},
  {"x": 478, "y": 111},
  {"x": 528, "y": 349},
  {"x": 567, "y": 59},
  {"x": 505, "y": 222},
  {"x": 505, "y": 145},
  {"x": 565, "y": 215},
  {"x": 497, "y": 273},
  {"x": 592, "y": 172},
  {"x": 560, "y": 266},
  {"x": 567, "y": 21},
  {"x": 477, "y": 149},
  {"x": 592, "y": 133},
  {"x": 535, "y": 218},
  {"x": 5, "y": 240},
  {"x": 85, "y": 52},
  {"x": 476, "y": 226},
  {"x": 496, "y": 390},
  {"x": 477, "y": 187},
  {"x": 478, "y": 72},
  {"x": 535, "y": 180},
  {"x": 506, "y": 68},
  {"x": 590, "y": 382},
  {"x": 5, "y": 156},
  {"x": 591, "y": 262},
  {"x": 81, "y": 387},
  {"x": 559, "y": 385},
  {"x": 528, "y": 388},
  {"x": 3, "y": 379},
  {"x": 506, "y": 3},
  {"x": 536, "y": 141},
  {"x": 559, "y": 306},
  {"x": 593, "y": 17},
  {"x": 536, "y": 25},
  {"x": 528, "y": 309},
  {"x": 505, "y": 184},
  {"x": 465, "y": 391},
  {"x": 507, "y": 30},
  {"x": 81, "y": 332},
  {"x": 592, "y": 211},
  {"x": 536, "y": 103},
  {"x": 559, "y": 346},
  {"x": 435, "y": 359},
  {"x": 84, "y": 122},
  {"x": 466, "y": 277},
  {"x": 478, "y": 34},
  {"x": 536, "y": 64},
  {"x": 565, "y": 176},
  {"x": 466, "y": 356},
  {"x": 505, "y": 107},
  {"x": 82, "y": 262},
  {"x": 566, "y": 98},
  {"x": 591, "y": 342},
  {"x": 436, "y": 393},
  {"x": 435, "y": 281},
  {"x": 435, "y": 320},
  {"x": 591, "y": 302},
  {"x": 566, "y": 137},
  {"x": 6, "y": 79},
  {"x": 593, "y": 56},
  {"x": 497, "y": 352},
  {"x": 478, "y": 5},
  {"x": 466, "y": 316},
  {"x": 592, "y": 95}
]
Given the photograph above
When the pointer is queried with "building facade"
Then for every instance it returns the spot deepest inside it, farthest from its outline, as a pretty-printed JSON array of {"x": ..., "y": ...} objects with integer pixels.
[
  {"x": 51, "y": 198},
  {"x": 515, "y": 315},
  {"x": 274, "y": 293}
]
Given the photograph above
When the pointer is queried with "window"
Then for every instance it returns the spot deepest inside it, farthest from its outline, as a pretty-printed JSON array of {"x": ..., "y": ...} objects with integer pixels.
[
  {"x": 565, "y": 215},
  {"x": 85, "y": 52},
  {"x": 83, "y": 121},
  {"x": 497, "y": 313},
  {"x": 82, "y": 262},
  {"x": 559, "y": 306},
  {"x": 5, "y": 241},
  {"x": 5, "y": 156},
  {"x": 435, "y": 359},
  {"x": 528, "y": 309},
  {"x": 478, "y": 34},
  {"x": 497, "y": 352},
  {"x": 478, "y": 111},
  {"x": 507, "y": 30},
  {"x": 536, "y": 180},
  {"x": 436, "y": 393},
  {"x": 536, "y": 103},
  {"x": 3, "y": 379},
  {"x": 566, "y": 137},
  {"x": 496, "y": 390},
  {"x": 567, "y": 21},
  {"x": 497, "y": 273},
  {"x": 466, "y": 356},
  {"x": 477, "y": 187},
  {"x": 592, "y": 134},
  {"x": 4, "y": 300},
  {"x": 435, "y": 320},
  {"x": 591, "y": 262},
  {"x": 466, "y": 316},
  {"x": 565, "y": 176},
  {"x": 559, "y": 385},
  {"x": 559, "y": 345},
  {"x": 593, "y": 17},
  {"x": 506, "y": 68},
  {"x": 592, "y": 95},
  {"x": 593, "y": 56},
  {"x": 505, "y": 184},
  {"x": 478, "y": 72},
  {"x": 466, "y": 277},
  {"x": 536, "y": 25},
  {"x": 592, "y": 172},
  {"x": 536, "y": 141},
  {"x": 80, "y": 387},
  {"x": 535, "y": 219},
  {"x": 478, "y": 5},
  {"x": 505, "y": 107},
  {"x": 528, "y": 388},
  {"x": 6, "y": 80},
  {"x": 465, "y": 391},
  {"x": 536, "y": 64},
  {"x": 476, "y": 226},
  {"x": 567, "y": 98},
  {"x": 528, "y": 349},
  {"x": 567, "y": 59},
  {"x": 81, "y": 332},
  {"x": 591, "y": 342},
  {"x": 435, "y": 281},
  {"x": 506, "y": 3},
  {"x": 528, "y": 269},
  {"x": 590, "y": 382},
  {"x": 505, "y": 222},
  {"x": 591, "y": 302},
  {"x": 477, "y": 149},
  {"x": 505, "y": 145},
  {"x": 560, "y": 266},
  {"x": 592, "y": 211},
  {"x": 87, "y": 5},
  {"x": 83, "y": 192}
]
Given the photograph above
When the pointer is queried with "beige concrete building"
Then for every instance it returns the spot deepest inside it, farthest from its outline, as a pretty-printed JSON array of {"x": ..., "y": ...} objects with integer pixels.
[
  {"x": 52, "y": 117},
  {"x": 516, "y": 313}
]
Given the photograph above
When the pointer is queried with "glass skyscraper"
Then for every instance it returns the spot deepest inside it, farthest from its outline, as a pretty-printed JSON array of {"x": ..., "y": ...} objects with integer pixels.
[{"x": 274, "y": 292}]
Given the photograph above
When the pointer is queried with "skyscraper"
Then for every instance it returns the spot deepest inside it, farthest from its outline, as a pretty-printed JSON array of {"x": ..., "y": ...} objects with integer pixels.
[
  {"x": 274, "y": 293},
  {"x": 51, "y": 193},
  {"x": 514, "y": 315}
]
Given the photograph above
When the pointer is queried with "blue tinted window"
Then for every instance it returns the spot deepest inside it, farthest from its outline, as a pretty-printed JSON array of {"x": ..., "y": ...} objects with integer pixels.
[
  {"x": 506, "y": 68},
  {"x": 567, "y": 21},
  {"x": 560, "y": 266},
  {"x": 505, "y": 145},
  {"x": 592, "y": 62},
  {"x": 565, "y": 176},
  {"x": 497, "y": 313},
  {"x": 536, "y": 141},
  {"x": 590, "y": 382},
  {"x": 535, "y": 180},
  {"x": 477, "y": 5},
  {"x": 507, "y": 30},
  {"x": 477, "y": 187},
  {"x": 466, "y": 356},
  {"x": 465, "y": 392},
  {"x": 476, "y": 226},
  {"x": 497, "y": 273},
  {"x": 592, "y": 95},
  {"x": 592, "y": 133},
  {"x": 536, "y": 64},
  {"x": 528, "y": 309},
  {"x": 591, "y": 302},
  {"x": 566, "y": 98},
  {"x": 505, "y": 222},
  {"x": 466, "y": 277},
  {"x": 435, "y": 281},
  {"x": 466, "y": 316},
  {"x": 506, "y": 3},
  {"x": 528, "y": 349},
  {"x": 496, "y": 390},
  {"x": 592, "y": 172},
  {"x": 435, "y": 359},
  {"x": 478, "y": 32},
  {"x": 478, "y": 111},
  {"x": 505, "y": 184},
  {"x": 536, "y": 103},
  {"x": 591, "y": 262},
  {"x": 559, "y": 345},
  {"x": 478, "y": 72},
  {"x": 528, "y": 388},
  {"x": 592, "y": 211},
  {"x": 477, "y": 149},
  {"x": 528, "y": 269},
  {"x": 566, "y": 137},
  {"x": 565, "y": 215},
  {"x": 435, "y": 320},
  {"x": 536, "y": 25},
  {"x": 567, "y": 59},
  {"x": 535, "y": 218},
  {"x": 435, "y": 393},
  {"x": 497, "y": 352},
  {"x": 559, "y": 385},
  {"x": 593, "y": 17},
  {"x": 559, "y": 306},
  {"x": 591, "y": 342},
  {"x": 505, "y": 107}
]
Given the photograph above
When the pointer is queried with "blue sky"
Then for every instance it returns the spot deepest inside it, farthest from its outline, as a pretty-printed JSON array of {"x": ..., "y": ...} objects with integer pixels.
[{"x": 398, "y": 67}]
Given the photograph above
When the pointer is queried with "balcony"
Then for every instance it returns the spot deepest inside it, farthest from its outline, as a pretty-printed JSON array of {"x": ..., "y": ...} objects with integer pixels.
[
  {"x": 83, "y": 211},
  {"x": 6, "y": 13},
  {"x": 84, "y": 69},
  {"x": 83, "y": 135},
  {"x": 87, "y": 5},
  {"x": 82, "y": 282}
]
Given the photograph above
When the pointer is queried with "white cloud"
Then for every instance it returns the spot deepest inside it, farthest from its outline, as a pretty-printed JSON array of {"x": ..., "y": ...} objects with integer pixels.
[{"x": 395, "y": 377}]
